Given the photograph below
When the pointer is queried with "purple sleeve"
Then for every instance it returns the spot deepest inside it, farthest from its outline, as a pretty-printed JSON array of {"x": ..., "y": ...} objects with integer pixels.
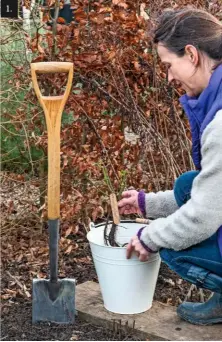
[
  {"x": 142, "y": 243},
  {"x": 141, "y": 202}
]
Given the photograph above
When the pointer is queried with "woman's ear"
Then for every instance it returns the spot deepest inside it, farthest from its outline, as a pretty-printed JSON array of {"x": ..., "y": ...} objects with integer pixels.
[{"x": 192, "y": 54}]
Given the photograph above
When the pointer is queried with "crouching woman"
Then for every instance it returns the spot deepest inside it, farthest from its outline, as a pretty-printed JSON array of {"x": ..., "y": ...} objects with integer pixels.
[{"x": 187, "y": 226}]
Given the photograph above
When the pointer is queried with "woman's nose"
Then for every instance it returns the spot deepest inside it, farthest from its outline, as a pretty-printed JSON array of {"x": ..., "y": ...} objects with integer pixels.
[{"x": 170, "y": 77}]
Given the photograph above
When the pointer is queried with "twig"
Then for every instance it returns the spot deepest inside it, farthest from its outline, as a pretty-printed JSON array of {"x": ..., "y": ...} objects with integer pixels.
[
  {"x": 29, "y": 150},
  {"x": 19, "y": 284},
  {"x": 19, "y": 135}
]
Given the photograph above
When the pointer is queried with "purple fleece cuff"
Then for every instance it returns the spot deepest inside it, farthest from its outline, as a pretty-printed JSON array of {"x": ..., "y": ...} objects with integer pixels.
[
  {"x": 141, "y": 202},
  {"x": 142, "y": 243}
]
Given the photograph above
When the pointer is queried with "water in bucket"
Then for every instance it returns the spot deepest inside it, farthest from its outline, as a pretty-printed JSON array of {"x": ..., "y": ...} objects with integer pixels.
[{"x": 127, "y": 285}]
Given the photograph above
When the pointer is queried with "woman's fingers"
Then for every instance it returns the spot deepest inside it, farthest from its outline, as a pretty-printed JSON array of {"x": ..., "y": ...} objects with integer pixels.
[
  {"x": 129, "y": 203},
  {"x": 127, "y": 193},
  {"x": 126, "y": 211},
  {"x": 125, "y": 201},
  {"x": 136, "y": 247},
  {"x": 143, "y": 258},
  {"x": 129, "y": 250}
]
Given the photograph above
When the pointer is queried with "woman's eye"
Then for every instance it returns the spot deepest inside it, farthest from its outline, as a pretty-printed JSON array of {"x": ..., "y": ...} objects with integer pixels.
[{"x": 167, "y": 67}]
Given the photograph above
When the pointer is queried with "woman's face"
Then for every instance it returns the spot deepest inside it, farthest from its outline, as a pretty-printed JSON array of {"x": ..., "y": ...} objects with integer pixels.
[{"x": 181, "y": 69}]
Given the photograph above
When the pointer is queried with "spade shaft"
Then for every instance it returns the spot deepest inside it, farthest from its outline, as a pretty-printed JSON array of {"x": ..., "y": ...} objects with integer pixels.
[
  {"x": 53, "y": 299},
  {"x": 53, "y": 257}
]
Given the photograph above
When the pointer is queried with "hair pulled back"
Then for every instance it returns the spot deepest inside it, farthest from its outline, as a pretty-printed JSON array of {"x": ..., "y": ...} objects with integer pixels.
[{"x": 178, "y": 28}]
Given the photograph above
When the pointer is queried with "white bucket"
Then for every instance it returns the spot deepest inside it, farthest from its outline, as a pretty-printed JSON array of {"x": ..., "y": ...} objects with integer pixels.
[{"x": 127, "y": 285}]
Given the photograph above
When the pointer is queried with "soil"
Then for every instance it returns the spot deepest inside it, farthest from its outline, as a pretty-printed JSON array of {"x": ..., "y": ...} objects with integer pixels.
[{"x": 17, "y": 326}]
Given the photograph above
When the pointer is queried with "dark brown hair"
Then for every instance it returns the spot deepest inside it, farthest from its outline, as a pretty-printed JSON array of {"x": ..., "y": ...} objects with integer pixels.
[{"x": 178, "y": 28}]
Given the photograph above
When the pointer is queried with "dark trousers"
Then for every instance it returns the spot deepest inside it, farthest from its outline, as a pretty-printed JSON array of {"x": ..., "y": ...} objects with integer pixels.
[{"x": 200, "y": 264}]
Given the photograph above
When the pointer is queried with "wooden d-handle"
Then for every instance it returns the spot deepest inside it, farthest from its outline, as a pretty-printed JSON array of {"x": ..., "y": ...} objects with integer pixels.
[
  {"x": 47, "y": 68},
  {"x": 53, "y": 107}
]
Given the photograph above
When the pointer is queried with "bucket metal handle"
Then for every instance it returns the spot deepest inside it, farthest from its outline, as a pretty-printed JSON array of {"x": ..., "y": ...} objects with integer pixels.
[{"x": 91, "y": 226}]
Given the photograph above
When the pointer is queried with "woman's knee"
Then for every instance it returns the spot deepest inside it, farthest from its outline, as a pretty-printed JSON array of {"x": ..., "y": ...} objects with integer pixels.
[
  {"x": 167, "y": 255},
  {"x": 183, "y": 186},
  {"x": 175, "y": 260}
]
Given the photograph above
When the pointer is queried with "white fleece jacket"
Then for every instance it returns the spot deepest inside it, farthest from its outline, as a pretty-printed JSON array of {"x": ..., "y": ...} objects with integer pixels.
[{"x": 179, "y": 228}]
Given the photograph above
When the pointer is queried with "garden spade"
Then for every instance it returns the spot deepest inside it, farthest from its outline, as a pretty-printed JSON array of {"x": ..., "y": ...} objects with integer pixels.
[{"x": 53, "y": 299}]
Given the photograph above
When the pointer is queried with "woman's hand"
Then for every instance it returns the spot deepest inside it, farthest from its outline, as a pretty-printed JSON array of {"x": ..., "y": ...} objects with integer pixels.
[
  {"x": 135, "y": 246},
  {"x": 129, "y": 203}
]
